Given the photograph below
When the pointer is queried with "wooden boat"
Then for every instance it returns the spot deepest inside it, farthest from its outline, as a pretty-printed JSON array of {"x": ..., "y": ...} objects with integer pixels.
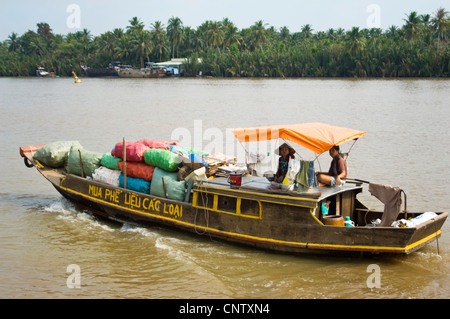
[
  {"x": 110, "y": 71},
  {"x": 146, "y": 72},
  {"x": 253, "y": 214}
]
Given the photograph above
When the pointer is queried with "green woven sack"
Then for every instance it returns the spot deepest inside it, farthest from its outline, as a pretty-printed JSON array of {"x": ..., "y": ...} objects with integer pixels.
[
  {"x": 163, "y": 159},
  {"x": 91, "y": 161},
  {"x": 110, "y": 161},
  {"x": 54, "y": 154},
  {"x": 174, "y": 189}
]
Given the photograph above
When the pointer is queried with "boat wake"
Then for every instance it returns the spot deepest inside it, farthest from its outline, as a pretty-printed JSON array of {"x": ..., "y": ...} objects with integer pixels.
[
  {"x": 69, "y": 213},
  {"x": 141, "y": 231}
]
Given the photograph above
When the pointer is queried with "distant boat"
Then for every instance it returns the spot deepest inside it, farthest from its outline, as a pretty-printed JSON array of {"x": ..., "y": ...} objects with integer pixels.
[
  {"x": 111, "y": 70},
  {"x": 41, "y": 72},
  {"x": 173, "y": 67},
  {"x": 147, "y": 72}
]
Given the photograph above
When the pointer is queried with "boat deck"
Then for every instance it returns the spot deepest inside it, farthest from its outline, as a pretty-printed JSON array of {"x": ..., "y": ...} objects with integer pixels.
[{"x": 262, "y": 184}]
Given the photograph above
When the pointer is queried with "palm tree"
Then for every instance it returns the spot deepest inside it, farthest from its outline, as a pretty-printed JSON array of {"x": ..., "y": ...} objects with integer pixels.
[
  {"x": 412, "y": 25},
  {"x": 340, "y": 33},
  {"x": 135, "y": 24},
  {"x": 231, "y": 34},
  {"x": 85, "y": 40},
  {"x": 159, "y": 37},
  {"x": 284, "y": 34},
  {"x": 140, "y": 40},
  {"x": 356, "y": 41},
  {"x": 198, "y": 41},
  {"x": 258, "y": 34},
  {"x": 123, "y": 48},
  {"x": 142, "y": 44},
  {"x": 440, "y": 24},
  {"x": 331, "y": 34},
  {"x": 12, "y": 42},
  {"x": 118, "y": 33},
  {"x": 307, "y": 31},
  {"x": 175, "y": 33},
  {"x": 106, "y": 45},
  {"x": 44, "y": 30},
  {"x": 392, "y": 31},
  {"x": 215, "y": 35}
]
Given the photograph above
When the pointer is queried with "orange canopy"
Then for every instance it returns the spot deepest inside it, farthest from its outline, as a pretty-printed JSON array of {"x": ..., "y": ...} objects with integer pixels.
[{"x": 317, "y": 137}]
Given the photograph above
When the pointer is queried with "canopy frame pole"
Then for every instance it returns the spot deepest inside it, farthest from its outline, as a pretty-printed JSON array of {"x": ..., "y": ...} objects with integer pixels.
[
  {"x": 354, "y": 142},
  {"x": 316, "y": 159}
]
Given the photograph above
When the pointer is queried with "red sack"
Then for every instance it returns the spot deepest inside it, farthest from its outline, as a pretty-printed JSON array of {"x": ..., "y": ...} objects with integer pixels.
[
  {"x": 138, "y": 170},
  {"x": 135, "y": 151},
  {"x": 156, "y": 143}
]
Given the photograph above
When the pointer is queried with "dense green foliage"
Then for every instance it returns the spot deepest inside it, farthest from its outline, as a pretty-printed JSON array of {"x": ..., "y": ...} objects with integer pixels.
[{"x": 419, "y": 48}]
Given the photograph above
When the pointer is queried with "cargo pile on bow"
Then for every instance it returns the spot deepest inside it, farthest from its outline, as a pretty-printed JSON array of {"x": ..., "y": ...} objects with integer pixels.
[{"x": 156, "y": 167}]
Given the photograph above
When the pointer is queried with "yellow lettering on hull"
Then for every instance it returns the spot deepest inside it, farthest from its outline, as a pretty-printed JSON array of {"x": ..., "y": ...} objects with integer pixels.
[{"x": 135, "y": 201}]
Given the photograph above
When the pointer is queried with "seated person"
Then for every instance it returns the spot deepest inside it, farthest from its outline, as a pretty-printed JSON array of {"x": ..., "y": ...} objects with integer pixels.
[
  {"x": 337, "y": 172},
  {"x": 286, "y": 152}
]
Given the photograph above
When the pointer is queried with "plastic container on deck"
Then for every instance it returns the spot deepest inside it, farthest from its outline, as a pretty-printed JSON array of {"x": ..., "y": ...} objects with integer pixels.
[
  {"x": 235, "y": 180},
  {"x": 348, "y": 222}
]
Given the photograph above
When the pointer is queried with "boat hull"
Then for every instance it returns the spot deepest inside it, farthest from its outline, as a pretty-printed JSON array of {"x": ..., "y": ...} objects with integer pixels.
[
  {"x": 101, "y": 72},
  {"x": 140, "y": 73},
  {"x": 266, "y": 231}
]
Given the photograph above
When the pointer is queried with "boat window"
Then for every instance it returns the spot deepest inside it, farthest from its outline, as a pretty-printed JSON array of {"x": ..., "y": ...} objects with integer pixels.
[
  {"x": 250, "y": 207},
  {"x": 227, "y": 204},
  {"x": 205, "y": 200}
]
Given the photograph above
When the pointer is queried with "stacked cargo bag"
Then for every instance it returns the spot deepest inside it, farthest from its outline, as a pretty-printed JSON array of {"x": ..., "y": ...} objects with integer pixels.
[
  {"x": 110, "y": 161},
  {"x": 55, "y": 154},
  {"x": 134, "y": 151},
  {"x": 157, "y": 143},
  {"x": 91, "y": 161},
  {"x": 163, "y": 159},
  {"x": 165, "y": 184},
  {"x": 135, "y": 184},
  {"x": 138, "y": 170},
  {"x": 106, "y": 175}
]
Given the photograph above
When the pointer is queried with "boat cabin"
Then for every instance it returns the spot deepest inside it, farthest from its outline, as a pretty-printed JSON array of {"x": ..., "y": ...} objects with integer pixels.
[{"x": 255, "y": 196}]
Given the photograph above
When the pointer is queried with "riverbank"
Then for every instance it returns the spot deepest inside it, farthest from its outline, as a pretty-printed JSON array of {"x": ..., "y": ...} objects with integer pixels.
[{"x": 419, "y": 48}]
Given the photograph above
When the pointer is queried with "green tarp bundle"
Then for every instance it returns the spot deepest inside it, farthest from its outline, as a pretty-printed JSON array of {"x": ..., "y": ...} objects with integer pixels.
[
  {"x": 174, "y": 189},
  {"x": 163, "y": 159},
  {"x": 55, "y": 154},
  {"x": 91, "y": 161},
  {"x": 110, "y": 161}
]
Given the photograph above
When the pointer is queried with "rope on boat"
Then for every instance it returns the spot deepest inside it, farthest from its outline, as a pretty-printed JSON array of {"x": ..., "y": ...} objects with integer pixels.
[
  {"x": 27, "y": 163},
  {"x": 205, "y": 201}
]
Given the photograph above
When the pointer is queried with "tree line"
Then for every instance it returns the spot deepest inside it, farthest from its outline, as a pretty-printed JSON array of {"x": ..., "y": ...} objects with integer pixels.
[{"x": 418, "y": 48}]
